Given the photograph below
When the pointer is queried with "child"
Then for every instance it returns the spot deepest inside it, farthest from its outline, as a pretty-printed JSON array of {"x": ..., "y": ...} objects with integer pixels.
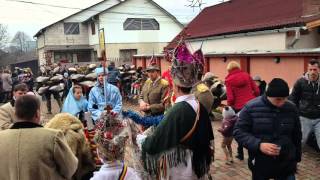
[
  {"x": 111, "y": 138},
  {"x": 75, "y": 103},
  {"x": 226, "y": 129}
]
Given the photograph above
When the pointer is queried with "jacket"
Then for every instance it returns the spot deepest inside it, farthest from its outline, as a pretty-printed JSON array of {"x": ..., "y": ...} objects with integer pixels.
[
  {"x": 113, "y": 74},
  {"x": 28, "y": 151},
  {"x": 7, "y": 115},
  {"x": 6, "y": 82},
  {"x": 155, "y": 94},
  {"x": 261, "y": 122},
  {"x": 306, "y": 96},
  {"x": 240, "y": 89},
  {"x": 227, "y": 125}
]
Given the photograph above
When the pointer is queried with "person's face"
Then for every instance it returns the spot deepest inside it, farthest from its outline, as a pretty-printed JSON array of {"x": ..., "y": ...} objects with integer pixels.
[
  {"x": 19, "y": 93},
  {"x": 77, "y": 94},
  {"x": 100, "y": 78},
  {"x": 313, "y": 71},
  {"x": 277, "y": 101},
  {"x": 153, "y": 74}
]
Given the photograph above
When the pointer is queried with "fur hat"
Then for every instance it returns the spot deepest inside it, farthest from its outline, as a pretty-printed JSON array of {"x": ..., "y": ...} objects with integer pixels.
[{"x": 228, "y": 112}]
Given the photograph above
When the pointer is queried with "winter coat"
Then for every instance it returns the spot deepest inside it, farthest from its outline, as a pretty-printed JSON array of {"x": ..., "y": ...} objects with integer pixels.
[
  {"x": 227, "y": 125},
  {"x": 7, "y": 115},
  {"x": 240, "y": 89},
  {"x": 6, "y": 82},
  {"x": 28, "y": 152},
  {"x": 306, "y": 96},
  {"x": 261, "y": 122},
  {"x": 73, "y": 131}
]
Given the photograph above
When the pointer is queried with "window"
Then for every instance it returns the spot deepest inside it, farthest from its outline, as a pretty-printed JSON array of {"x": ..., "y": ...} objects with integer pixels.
[
  {"x": 141, "y": 24},
  {"x": 71, "y": 28},
  {"x": 93, "y": 28}
]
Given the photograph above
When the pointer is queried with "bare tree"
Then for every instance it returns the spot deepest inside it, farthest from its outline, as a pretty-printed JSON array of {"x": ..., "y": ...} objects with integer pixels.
[
  {"x": 3, "y": 35},
  {"x": 20, "y": 40},
  {"x": 195, "y": 3}
]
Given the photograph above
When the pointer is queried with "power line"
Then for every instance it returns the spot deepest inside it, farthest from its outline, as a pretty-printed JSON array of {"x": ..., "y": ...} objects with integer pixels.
[{"x": 98, "y": 11}]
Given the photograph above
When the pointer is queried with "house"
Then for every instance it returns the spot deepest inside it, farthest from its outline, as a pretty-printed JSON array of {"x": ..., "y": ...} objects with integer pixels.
[
  {"x": 273, "y": 38},
  {"x": 130, "y": 27}
]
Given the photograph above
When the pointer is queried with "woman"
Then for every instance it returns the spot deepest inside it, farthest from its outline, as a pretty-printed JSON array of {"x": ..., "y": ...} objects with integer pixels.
[{"x": 240, "y": 90}]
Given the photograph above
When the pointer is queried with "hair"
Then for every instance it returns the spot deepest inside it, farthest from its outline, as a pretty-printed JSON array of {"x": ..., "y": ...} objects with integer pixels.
[
  {"x": 26, "y": 107},
  {"x": 76, "y": 87},
  {"x": 233, "y": 65},
  {"x": 185, "y": 90},
  {"x": 20, "y": 87},
  {"x": 314, "y": 61}
]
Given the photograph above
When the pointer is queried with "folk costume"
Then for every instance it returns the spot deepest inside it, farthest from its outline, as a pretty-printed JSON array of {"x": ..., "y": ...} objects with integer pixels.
[
  {"x": 103, "y": 95},
  {"x": 111, "y": 137},
  {"x": 74, "y": 106},
  {"x": 179, "y": 148}
]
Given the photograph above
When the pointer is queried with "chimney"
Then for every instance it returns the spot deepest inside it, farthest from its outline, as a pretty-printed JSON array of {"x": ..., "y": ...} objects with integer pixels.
[{"x": 310, "y": 7}]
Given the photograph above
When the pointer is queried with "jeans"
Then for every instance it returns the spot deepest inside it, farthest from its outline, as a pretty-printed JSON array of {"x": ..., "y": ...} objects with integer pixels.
[{"x": 308, "y": 126}]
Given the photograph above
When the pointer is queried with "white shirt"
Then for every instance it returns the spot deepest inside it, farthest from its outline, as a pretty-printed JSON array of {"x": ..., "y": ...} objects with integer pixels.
[{"x": 112, "y": 171}]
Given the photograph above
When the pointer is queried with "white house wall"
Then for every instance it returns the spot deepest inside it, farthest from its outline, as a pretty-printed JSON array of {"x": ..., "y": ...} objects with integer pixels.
[
  {"x": 275, "y": 41},
  {"x": 84, "y": 15},
  {"x": 112, "y": 22}
]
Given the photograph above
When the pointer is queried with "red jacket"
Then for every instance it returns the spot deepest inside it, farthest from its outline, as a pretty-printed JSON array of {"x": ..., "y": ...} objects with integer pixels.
[
  {"x": 167, "y": 76},
  {"x": 240, "y": 89}
]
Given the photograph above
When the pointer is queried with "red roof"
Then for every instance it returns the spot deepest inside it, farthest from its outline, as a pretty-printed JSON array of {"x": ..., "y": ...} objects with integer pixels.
[{"x": 246, "y": 15}]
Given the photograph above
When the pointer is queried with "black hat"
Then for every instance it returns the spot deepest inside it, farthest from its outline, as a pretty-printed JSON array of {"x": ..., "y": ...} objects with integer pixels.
[{"x": 278, "y": 88}]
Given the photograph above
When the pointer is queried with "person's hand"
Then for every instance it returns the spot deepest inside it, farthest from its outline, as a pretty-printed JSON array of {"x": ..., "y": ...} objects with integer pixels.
[
  {"x": 143, "y": 106},
  {"x": 270, "y": 149}
]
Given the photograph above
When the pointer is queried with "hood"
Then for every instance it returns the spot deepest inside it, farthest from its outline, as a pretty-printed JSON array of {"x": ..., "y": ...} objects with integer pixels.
[
  {"x": 236, "y": 78},
  {"x": 306, "y": 77}
]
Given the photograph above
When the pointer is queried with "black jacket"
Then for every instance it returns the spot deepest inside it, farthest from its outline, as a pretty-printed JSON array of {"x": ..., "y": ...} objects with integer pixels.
[
  {"x": 259, "y": 122},
  {"x": 306, "y": 96}
]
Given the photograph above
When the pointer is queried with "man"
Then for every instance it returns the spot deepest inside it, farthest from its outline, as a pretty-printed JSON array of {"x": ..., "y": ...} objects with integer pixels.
[
  {"x": 154, "y": 93},
  {"x": 104, "y": 96},
  {"x": 306, "y": 96},
  {"x": 270, "y": 129},
  {"x": 7, "y": 110},
  {"x": 29, "y": 151},
  {"x": 179, "y": 148},
  {"x": 113, "y": 74}
]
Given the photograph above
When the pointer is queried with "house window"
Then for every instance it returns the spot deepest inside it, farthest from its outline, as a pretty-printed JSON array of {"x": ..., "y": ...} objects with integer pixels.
[
  {"x": 141, "y": 24},
  {"x": 93, "y": 28},
  {"x": 71, "y": 28}
]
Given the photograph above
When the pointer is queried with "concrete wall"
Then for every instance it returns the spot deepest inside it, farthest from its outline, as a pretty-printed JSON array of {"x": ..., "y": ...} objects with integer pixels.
[
  {"x": 310, "y": 40},
  {"x": 54, "y": 35},
  {"x": 274, "y": 41}
]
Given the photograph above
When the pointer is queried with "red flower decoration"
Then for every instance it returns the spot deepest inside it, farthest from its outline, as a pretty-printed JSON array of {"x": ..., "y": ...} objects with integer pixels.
[{"x": 108, "y": 135}]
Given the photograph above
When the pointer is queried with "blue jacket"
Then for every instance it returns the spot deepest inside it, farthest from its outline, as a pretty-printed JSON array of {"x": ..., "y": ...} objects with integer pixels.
[
  {"x": 100, "y": 97},
  {"x": 259, "y": 122}
]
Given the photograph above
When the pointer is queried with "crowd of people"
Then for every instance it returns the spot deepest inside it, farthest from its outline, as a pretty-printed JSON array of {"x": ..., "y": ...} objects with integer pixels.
[{"x": 174, "y": 134}]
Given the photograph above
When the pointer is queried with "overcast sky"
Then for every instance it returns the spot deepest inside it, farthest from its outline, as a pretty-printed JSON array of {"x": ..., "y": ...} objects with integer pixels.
[{"x": 31, "y": 17}]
